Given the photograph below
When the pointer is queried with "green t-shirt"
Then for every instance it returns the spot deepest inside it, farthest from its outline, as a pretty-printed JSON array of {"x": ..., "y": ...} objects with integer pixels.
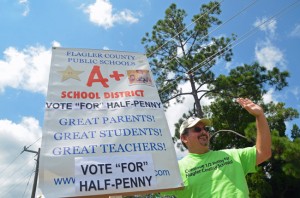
[{"x": 216, "y": 173}]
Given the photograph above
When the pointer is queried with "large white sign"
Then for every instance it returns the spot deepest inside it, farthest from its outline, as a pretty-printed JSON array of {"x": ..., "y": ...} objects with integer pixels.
[{"x": 105, "y": 130}]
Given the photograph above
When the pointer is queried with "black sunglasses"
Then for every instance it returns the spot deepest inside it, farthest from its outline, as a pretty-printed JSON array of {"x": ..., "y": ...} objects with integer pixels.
[{"x": 199, "y": 129}]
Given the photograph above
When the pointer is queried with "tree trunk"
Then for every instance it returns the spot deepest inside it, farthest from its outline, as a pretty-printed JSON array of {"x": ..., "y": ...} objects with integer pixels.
[{"x": 195, "y": 95}]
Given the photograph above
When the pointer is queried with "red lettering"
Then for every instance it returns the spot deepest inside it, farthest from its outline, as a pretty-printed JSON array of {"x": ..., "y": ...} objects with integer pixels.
[
  {"x": 122, "y": 94},
  {"x": 63, "y": 94},
  {"x": 80, "y": 95},
  {"x": 96, "y": 76},
  {"x": 116, "y": 75},
  {"x": 83, "y": 95}
]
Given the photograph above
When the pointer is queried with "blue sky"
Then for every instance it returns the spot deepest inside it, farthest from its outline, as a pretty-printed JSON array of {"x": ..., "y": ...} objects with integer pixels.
[{"x": 30, "y": 28}]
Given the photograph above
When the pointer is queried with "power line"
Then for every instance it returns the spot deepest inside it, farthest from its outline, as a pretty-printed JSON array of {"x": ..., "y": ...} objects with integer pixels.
[
  {"x": 16, "y": 182},
  {"x": 14, "y": 173},
  {"x": 14, "y": 160},
  {"x": 3, "y": 170},
  {"x": 218, "y": 27},
  {"x": 34, "y": 142},
  {"x": 241, "y": 39},
  {"x": 19, "y": 168},
  {"x": 231, "y": 18},
  {"x": 218, "y": 3},
  {"x": 28, "y": 182},
  {"x": 247, "y": 34}
]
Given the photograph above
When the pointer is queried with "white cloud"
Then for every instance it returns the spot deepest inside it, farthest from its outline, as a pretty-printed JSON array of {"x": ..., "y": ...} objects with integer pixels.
[
  {"x": 16, "y": 168},
  {"x": 296, "y": 92},
  {"x": 180, "y": 154},
  {"x": 175, "y": 111},
  {"x": 228, "y": 66},
  {"x": 266, "y": 25},
  {"x": 101, "y": 13},
  {"x": 269, "y": 97},
  {"x": 121, "y": 43},
  {"x": 105, "y": 48},
  {"x": 296, "y": 31},
  {"x": 25, "y": 3},
  {"x": 180, "y": 50},
  {"x": 269, "y": 55},
  {"x": 16, "y": 136},
  {"x": 26, "y": 69},
  {"x": 55, "y": 44}
]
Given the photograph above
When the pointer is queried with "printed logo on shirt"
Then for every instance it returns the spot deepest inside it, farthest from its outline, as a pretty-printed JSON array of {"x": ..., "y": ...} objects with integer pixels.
[{"x": 210, "y": 166}]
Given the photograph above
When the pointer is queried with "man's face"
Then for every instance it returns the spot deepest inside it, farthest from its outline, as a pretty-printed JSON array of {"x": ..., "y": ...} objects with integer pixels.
[{"x": 197, "y": 137}]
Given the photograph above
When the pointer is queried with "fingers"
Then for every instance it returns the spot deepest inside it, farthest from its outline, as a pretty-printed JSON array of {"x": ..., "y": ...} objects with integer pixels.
[
  {"x": 244, "y": 101},
  {"x": 251, "y": 107}
]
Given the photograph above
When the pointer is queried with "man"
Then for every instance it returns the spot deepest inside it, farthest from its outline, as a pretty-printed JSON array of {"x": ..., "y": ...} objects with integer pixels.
[{"x": 207, "y": 173}]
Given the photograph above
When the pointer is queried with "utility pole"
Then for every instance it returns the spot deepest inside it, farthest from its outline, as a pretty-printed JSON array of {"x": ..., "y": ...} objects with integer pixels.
[{"x": 36, "y": 170}]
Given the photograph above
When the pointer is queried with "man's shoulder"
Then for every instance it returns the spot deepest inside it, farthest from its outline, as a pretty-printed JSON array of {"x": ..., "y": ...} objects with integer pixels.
[
  {"x": 238, "y": 149},
  {"x": 247, "y": 151},
  {"x": 185, "y": 158}
]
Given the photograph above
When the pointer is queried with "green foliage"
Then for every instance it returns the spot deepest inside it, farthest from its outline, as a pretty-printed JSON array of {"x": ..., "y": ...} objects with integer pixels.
[
  {"x": 179, "y": 53},
  {"x": 180, "y": 121},
  {"x": 280, "y": 174},
  {"x": 258, "y": 184},
  {"x": 278, "y": 114},
  {"x": 228, "y": 115},
  {"x": 285, "y": 166},
  {"x": 295, "y": 133},
  {"x": 248, "y": 81},
  {"x": 287, "y": 151},
  {"x": 278, "y": 177}
]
